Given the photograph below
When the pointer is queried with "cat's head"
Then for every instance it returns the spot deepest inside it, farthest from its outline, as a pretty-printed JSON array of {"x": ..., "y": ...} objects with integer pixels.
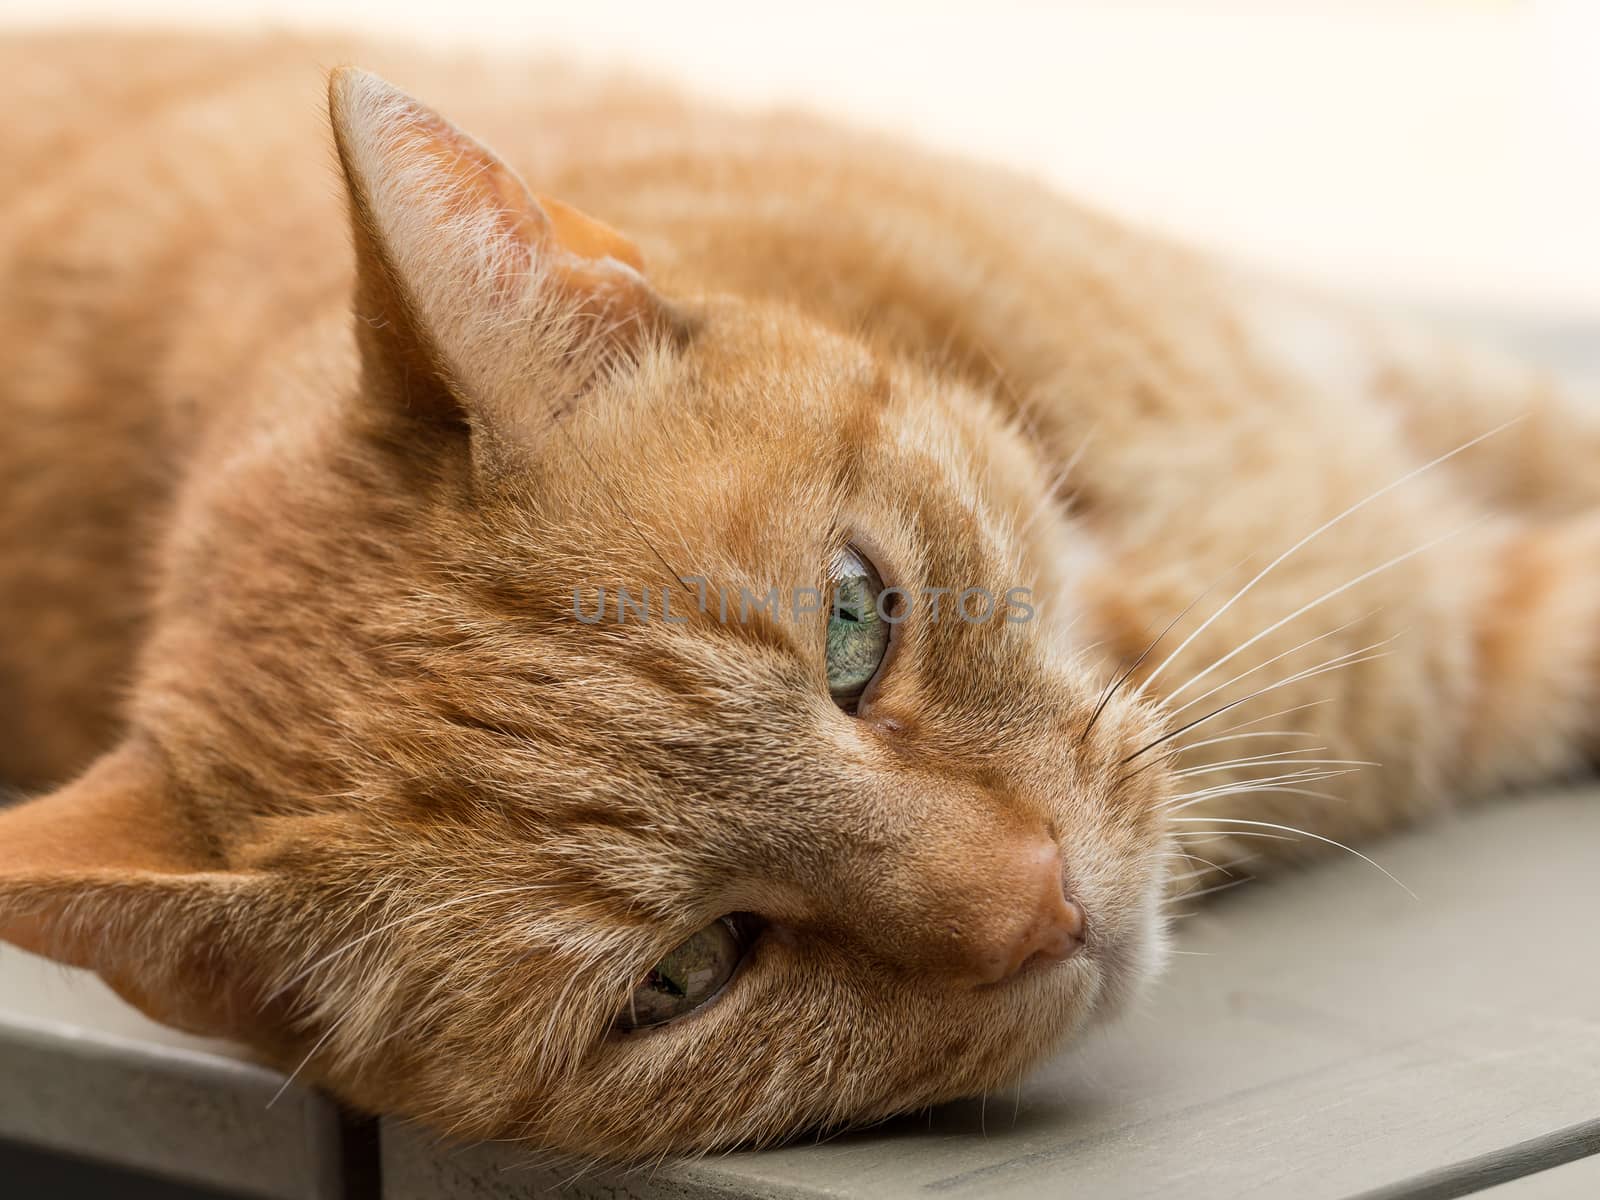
[{"x": 408, "y": 801}]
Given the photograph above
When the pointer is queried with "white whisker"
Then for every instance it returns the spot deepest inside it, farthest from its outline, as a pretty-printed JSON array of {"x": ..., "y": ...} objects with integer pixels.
[
  {"x": 1299, "y": 832},
  {"x": 1266, "y": 733},
  {"x": 1225, "y": 868},
  {"x": 1246, "y": 761},
  {"x": 310, "y": 1054},
  {"x": 1282, "y": 712},
  {"x": 1213, "y": 834},
  {"x": 1229, "y": 787},
  {"x": 1246, "y": 786},
  {"x": 1297, "y": 678},
  {"x": 1276, "y": 787},
  {"x": 1316, "y": 533},
  {"x": 1277, "y": 762},
  {"x": 1188, "y": 704},
  {"x": 1219, "y": 887},
  {"x": 1340, "y": 590}
]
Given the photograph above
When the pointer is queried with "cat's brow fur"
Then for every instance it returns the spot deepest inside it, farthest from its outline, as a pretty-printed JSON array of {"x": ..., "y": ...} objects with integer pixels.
[{"x": 294, "y": 586}]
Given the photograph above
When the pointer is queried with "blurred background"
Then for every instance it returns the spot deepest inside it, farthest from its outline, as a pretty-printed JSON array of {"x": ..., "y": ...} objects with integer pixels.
[{"x": 1436, "y": 154}]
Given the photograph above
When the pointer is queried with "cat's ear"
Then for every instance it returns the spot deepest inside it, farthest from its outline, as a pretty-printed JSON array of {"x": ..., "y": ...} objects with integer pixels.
[
  {"x": 476, "y": 300},
  {"x": 101, "y": 874}
]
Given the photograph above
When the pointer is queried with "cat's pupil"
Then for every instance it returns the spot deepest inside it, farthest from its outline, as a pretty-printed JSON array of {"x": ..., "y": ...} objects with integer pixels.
[{"x": 660, "y": 981}]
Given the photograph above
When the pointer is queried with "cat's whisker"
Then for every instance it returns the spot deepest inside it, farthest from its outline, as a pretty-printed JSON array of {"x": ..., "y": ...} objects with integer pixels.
[
  {"x": 1276, "y": 784},
  {"x": 1248, "y": 786},
  {"x": 333, "y": 1028},
  {"x": 1119, "y": 680},
  {"x": 1312, "y": 536},
  {"x": 1217, "y": 712},
  {"x": 1210, "y": 891},
  {"x": 1302, "y": 673},
  {"x": 1342, "y": 588},
  {"x": 1176, "y": 751},
  {"x": 1301, "y": 768},
  {"x": 1281, "y": 755},
  {"x": 1298, "y": 832},
  {"x": 1227, "y": 734},
  {"x": 1195, "y": 858},
  {"x": 1202, "y": 874},
  {"x": 1282, "y": 712},
  {"x": 1280, "y": 788},
  {"x": 1240, "y": 778},
  {"x": 1231, "y": 786},
  {"x": 1276, "y": 762},
  {"x": 1213, "y": 834},
  {"x": 1265, "y": 733},
  {"x": 1197, "y": 873},
  {"x": 1226, "y": 868},
  {"x": 1188, "y": 704}
]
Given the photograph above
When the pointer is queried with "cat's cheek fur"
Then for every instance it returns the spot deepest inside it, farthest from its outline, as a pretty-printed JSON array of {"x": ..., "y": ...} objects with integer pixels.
[{"x": 795, "y": 1035}]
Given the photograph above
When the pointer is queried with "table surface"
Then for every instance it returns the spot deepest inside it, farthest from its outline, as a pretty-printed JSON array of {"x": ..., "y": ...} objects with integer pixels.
[{"x": 1322, "y": 1035}]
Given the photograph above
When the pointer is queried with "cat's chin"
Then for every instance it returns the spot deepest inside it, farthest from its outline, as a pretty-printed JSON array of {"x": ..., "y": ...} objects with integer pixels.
[{"x": 1130, "y": 965}]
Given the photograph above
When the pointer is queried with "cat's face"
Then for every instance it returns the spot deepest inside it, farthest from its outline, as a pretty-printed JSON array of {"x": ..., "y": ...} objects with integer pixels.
[{"x": 497, "y": 854}]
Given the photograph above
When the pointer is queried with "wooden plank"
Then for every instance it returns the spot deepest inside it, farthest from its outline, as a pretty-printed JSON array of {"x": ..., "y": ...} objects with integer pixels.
[
  {"x": 1578, "y": 1180},
  {"x": 83, "y": 1074},
  {"x": 1536, "y": 1159}
]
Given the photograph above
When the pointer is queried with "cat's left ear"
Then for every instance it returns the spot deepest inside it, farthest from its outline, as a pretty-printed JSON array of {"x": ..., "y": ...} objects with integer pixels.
[
  {"x": 105, "y": 874},
  {"x": 476, "y": 300}
]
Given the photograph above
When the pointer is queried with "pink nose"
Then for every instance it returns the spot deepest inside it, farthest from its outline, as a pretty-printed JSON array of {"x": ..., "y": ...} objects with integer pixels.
[{"x": 1044, "y": 926}]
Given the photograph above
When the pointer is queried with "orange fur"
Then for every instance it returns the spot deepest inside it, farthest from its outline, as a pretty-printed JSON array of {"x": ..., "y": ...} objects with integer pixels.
[{"x": 290, "y": 536}]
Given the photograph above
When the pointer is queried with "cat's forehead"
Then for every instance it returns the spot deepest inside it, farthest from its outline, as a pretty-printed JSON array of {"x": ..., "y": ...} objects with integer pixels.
[{"x": 769, "y": 435}]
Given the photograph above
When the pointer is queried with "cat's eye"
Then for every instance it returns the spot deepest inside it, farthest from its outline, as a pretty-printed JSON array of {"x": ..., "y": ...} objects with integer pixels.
[
  {"x": 688, "y": 977},
  {"x": 858, "y": 635}
]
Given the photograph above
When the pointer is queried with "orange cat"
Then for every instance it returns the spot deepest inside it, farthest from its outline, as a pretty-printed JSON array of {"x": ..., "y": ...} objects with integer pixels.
[{"x": 673, "y": 676}]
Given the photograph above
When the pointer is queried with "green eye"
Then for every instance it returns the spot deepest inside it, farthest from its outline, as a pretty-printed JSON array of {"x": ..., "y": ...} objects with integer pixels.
[
  {"x": 688, "y": 977},
  {"x": 858, "y": 636}
]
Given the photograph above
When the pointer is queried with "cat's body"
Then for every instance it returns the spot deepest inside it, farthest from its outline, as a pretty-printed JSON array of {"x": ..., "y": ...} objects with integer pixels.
[{"x": 301, "y": 612}]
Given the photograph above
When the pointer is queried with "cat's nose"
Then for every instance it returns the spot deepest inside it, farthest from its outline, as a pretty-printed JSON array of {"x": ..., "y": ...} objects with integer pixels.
[{"x": 1044, "y": 926}]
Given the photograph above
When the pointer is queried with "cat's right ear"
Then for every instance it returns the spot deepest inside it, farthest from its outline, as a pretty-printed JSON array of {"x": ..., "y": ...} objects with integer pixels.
[
  {"x": 478, "y": 304},
  {"x": 107, "y": 873}
]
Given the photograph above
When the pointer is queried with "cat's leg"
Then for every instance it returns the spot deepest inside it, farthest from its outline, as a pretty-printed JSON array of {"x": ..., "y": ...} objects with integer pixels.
[
  {"x": 1487, "y": 680},
  {"x": 1440, "y": 396},
  {"x": 1535, "y": 711},
  {"x": 1443, "y": 396}
]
